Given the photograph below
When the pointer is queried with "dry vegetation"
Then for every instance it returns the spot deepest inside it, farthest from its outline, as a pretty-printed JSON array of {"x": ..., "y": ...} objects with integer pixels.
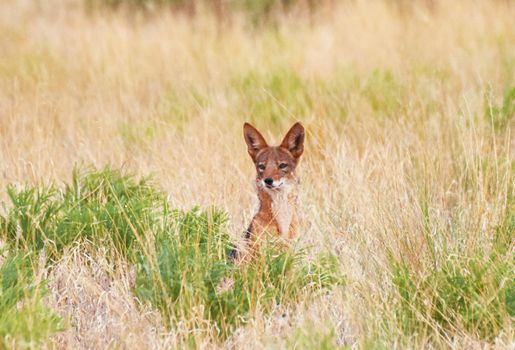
[{"x": 408, "y": 175}]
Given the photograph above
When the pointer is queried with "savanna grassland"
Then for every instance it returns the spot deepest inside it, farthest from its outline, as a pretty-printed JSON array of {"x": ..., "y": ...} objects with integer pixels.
[{"x": 125, "y": 179}]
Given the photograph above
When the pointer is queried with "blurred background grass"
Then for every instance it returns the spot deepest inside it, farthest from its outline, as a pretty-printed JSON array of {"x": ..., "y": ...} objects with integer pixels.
[{"x": 407, "y": 179}]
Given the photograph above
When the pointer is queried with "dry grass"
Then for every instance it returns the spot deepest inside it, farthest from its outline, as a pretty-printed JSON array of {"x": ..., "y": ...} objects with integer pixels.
[{"x": 402, "y": 161}]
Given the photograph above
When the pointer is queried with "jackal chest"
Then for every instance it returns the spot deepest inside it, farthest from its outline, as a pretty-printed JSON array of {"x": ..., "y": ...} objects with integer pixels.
[{"x": 283, "y": 211}]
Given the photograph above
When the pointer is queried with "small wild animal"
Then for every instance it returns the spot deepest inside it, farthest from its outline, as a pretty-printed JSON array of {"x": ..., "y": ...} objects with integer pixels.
[{"x": 276, "y": 185}]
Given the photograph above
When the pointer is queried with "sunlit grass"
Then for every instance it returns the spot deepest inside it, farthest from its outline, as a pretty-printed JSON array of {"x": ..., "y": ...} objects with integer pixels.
[
  {"x": 406, "y": 181},
  {"x": 180, "y": 258}
]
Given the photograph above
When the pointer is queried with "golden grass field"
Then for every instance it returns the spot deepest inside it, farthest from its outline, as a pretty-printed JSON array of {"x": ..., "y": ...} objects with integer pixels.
[{"x": 409, "y": 152}]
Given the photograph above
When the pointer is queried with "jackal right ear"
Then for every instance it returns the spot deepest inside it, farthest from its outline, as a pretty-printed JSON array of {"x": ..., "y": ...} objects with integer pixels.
[
  {"x": 294, "y": 140},
  {"x": 255, "y": 141}
]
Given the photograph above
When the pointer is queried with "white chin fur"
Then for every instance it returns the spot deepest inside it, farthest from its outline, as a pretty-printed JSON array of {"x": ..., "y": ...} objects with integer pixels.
[{"x": 278, "y": 187}]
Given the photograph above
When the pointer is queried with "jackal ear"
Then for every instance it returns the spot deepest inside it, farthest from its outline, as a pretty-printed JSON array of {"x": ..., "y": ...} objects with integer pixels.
[
  {"x": 255, "y": 141},
  {"x": 294, "y": 140}
]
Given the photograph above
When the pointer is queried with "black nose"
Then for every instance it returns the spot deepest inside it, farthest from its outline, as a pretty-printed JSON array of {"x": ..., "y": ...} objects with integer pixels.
[{"x": 269, "y": 181}]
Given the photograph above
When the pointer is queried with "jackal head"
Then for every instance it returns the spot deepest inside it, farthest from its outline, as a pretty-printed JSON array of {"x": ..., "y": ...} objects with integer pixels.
[{"x": 275, "y": 165}]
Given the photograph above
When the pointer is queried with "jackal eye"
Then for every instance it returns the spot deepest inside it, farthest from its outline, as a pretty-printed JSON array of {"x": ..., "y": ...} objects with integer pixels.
[
  {"x": 283, "y": 165},
  {"x": 261, "y": 166}
]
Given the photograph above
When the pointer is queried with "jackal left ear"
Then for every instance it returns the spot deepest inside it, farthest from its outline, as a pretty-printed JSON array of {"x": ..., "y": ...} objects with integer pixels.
[
  {"x": 255, "y": 141},
  {"x": 294, "y": 140}
]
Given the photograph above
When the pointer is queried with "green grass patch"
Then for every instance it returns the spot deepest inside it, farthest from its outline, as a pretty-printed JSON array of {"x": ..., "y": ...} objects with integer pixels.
[
  {"x": 180, "y": 256},
  {"x": 273, "y": 96},
  {"x": 24, "y": 320},
  {"x": 476, "y": 294},
  {"x": 383, "y": 92},
  {"x": 190, "y": 262},
  {"x": 106, "y": 207}
]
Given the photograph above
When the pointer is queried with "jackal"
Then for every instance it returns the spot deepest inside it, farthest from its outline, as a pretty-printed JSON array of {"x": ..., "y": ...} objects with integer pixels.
[{"x": 276, "y": 184}]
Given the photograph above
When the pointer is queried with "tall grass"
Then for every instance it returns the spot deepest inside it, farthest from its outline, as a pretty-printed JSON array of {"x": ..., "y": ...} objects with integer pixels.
[
  {"x": 181, "y": 258},
  {"x": 106, "y": 208},
  {"x": 407, "y": 177},
  {"x": 190, "y": 264},
  {"x": 472, "y": 292},
  {"x": 257, "y": 11},
  {"x": 24, "y": 320}
]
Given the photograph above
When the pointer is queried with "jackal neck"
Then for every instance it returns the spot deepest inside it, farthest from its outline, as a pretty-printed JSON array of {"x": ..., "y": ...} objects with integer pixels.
[{"x": 278, "y": 207}]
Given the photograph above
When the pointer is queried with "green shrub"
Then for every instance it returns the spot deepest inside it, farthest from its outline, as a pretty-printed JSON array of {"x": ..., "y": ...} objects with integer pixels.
[
  {"x": 190, "y": 262},
  {"x": 103, "y": 207},
  {"x": 24, "y": 321}
]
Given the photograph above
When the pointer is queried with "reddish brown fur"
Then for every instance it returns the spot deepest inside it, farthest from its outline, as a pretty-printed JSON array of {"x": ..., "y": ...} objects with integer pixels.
[{"x": 277, "y": 199}]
